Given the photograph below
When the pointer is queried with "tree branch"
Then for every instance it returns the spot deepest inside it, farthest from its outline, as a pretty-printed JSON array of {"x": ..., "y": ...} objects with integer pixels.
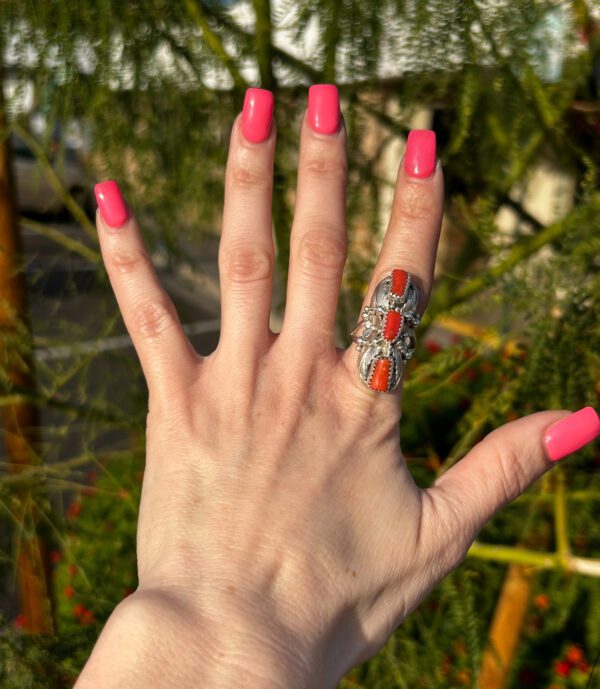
[
  {"x": 59, "y": 237},
  {"x": 519, "y": 252},
  {"x": 214, "y": 42},
  {"x": 264, "y": 43}
]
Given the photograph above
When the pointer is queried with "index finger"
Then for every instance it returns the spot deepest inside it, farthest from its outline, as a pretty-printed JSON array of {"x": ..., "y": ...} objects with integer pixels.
[{"x": 166, "y": 355}]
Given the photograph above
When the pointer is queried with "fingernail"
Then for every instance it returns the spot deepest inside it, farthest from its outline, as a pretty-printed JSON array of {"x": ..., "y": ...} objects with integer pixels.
[
  {"x": 324, "y": 108},
  {"x": 571, "y": 433},
  {"x": 257, "y": 115},
  {"x": 419, "y": 157},
  {"x": 111, "y": 204}
]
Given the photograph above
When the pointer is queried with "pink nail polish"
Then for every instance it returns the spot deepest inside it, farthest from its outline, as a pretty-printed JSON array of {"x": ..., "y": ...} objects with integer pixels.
[
  {"x": 257, "y": 115},
  {"x": 419, "y": 157},
  {"x": 111, "y": 204},
  {"x": 571, "y": 433},
  {"x": 324, "y": 108}
]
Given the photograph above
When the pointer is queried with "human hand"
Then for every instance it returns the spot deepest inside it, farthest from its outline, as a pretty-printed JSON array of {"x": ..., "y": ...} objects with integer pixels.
[{"x": 281, "y": 537}]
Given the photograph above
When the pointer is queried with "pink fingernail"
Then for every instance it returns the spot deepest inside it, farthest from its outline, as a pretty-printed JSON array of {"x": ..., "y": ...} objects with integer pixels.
[
  {"x": 571, "y": 433},
  {"x": 257, "y": 115},
  {"x": 111, "y": 204},
  {"x": 419, "y": 157},
  {"x": 324, "y": 108}
]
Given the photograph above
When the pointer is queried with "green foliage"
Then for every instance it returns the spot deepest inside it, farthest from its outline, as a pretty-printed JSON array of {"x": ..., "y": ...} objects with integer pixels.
[{"x": 43, "y": 661}]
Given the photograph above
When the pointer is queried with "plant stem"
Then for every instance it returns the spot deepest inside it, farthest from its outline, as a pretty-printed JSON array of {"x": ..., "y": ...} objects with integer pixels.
[{"x": 510, "y": 554}]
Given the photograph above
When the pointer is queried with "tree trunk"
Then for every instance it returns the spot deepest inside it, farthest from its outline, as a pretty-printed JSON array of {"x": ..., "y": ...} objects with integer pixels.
[
  {"x": 20, "y": 417},
  {"x": 506, "y": 627}
]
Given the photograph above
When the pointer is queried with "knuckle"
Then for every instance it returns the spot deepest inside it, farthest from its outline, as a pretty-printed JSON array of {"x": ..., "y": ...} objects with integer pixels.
[
  {"x": 153, "y": 318},
  {"x": 511, "y": 476},
  {"x": 447, "y": 532},
  {"x": 326, "y": 168},
  {"x": 243, "y": 263},
  {"x": 246, "y": 176},
  {"x": 322, "y": 251},
  {"x": 128, "y": 261}
]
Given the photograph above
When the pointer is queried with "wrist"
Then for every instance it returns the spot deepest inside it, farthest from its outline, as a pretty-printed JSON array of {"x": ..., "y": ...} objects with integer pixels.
[{"x": 153, "y": 638}]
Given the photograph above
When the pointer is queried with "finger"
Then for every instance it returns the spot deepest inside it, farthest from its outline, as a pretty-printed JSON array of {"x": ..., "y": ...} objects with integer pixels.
[
  {"x": 409, "y": 246},
  {"x": 501, "y": 467},
  {"x": 246, "y": 252},
  {"x": 318, "y": 238},
  {"x": 413, "y": 232},
  {"x": 166, "y": 355}
]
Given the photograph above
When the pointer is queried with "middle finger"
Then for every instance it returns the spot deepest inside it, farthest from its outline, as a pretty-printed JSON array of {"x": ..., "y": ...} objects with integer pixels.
[{"x": 318, "y": 239}]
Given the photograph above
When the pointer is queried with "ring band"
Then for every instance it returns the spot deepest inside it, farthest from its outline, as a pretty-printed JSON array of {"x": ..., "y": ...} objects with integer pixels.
[{"x": 384, "y": 336}]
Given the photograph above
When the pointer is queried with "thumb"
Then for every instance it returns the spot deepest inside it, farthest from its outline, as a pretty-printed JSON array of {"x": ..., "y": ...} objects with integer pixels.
[{"x": 501, "y": 467}]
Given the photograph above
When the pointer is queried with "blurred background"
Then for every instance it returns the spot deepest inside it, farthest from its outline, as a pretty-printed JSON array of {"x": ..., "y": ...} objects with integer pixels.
[{"x": 146, "y": 92}]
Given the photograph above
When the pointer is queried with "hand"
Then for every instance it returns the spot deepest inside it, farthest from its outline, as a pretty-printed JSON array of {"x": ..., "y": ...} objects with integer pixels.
[{"x": 281, "y": 537}]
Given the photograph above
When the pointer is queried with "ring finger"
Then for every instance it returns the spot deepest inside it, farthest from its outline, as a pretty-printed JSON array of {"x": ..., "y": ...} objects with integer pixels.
[{"x": 411, "y": 240}]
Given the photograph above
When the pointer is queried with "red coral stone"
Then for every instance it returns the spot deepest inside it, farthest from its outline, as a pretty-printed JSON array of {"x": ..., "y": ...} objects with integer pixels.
[
  {"x": 399, "y": 282},
  {"x": 380, "y": 379},
  {"x": 393, "y": 323}
]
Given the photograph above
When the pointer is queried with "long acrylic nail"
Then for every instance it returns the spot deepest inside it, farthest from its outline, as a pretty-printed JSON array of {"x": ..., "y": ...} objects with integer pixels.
[
  {"x": 257, "y": 115},
  {"x": 420, "y": 154},
  {"x": 571, "y": 433},
  {"x": 324, "y": 108},
  {"x": 111, "y": 204}
]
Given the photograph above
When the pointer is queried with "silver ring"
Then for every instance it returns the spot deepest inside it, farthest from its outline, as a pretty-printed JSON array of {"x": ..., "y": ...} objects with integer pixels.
[{"x": 385, "y": 334}]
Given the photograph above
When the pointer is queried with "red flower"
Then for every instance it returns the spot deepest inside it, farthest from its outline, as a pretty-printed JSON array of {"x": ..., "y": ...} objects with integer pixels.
[
  {"x": 69, "y": 591},
  {"x": 464, "y": 676},
  {"x": 541, "y": 601},
  {"x": 20, "y": 621},
  {"x": 574, "y": 654},
  {"x": 55, "y": 556},
  {"x": 73, "y": 569},
  {"x": 87, "y": 617},
  {"x": 78, "y": 610},
  {"x": 74, "y": 509},
  {"x": 584, "y": 667},
  {"x": 432, "y": 347},
  {"x": 563, "y": 668}
]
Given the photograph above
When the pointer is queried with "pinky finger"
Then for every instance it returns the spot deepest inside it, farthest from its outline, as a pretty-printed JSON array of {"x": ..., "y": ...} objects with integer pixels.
[{"x": 166, "y": 355}]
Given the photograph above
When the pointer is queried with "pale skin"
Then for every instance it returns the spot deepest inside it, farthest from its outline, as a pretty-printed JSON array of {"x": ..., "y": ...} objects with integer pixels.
[{"x": 281, "y": 537}]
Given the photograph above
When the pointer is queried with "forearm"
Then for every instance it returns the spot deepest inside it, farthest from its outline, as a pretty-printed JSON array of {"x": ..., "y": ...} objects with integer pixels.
[{"x": 154, "y": 641}]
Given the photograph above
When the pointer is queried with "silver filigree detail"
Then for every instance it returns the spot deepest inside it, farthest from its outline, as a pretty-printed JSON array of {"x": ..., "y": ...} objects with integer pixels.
[{"x": 368, "y": 334}]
